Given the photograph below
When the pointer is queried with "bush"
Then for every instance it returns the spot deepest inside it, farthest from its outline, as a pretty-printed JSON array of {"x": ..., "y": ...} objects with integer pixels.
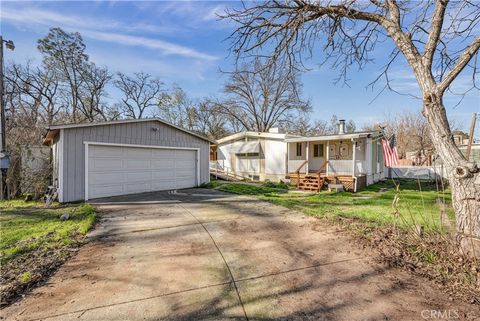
[{"x": 271, "y": 184}]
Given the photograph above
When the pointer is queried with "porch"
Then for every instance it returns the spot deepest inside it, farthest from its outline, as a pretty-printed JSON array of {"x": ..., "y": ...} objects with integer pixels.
[
  {"x": 318, "y": 161},
  {"x": 333, "y": 168}
]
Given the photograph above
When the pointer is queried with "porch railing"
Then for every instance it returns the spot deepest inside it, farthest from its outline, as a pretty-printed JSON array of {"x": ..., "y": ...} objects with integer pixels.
[
  {"x": 345, "y": 167},
  {"x": 293, "y": 165},
  {"x": 219, "y": 169}
]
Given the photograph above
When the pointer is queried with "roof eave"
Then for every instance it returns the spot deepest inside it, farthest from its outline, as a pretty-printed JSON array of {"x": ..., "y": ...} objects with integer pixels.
[
  {"x": 50, "y": 137},
  {"x": 114, "y": 122},
  {"x": 251, "y": 134},
  {"x": 334, "y": 137}
]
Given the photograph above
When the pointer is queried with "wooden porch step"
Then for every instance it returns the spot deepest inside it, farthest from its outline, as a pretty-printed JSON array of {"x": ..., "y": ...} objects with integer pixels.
[
  {"x": 309, "y": 185},
  {"x": 307, "y": 188},
  {"x": 312, "y": 183}
]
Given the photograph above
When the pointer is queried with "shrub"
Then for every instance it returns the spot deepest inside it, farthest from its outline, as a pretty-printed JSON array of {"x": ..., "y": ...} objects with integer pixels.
[{"x": 271, "y": 184}]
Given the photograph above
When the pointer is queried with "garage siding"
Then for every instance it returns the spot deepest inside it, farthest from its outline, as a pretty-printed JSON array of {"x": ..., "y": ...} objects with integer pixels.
[{"x": 139, "y": 133}]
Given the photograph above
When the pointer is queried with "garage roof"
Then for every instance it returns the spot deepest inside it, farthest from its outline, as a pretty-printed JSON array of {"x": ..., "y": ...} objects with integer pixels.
[{"x": 53, "y": 129}]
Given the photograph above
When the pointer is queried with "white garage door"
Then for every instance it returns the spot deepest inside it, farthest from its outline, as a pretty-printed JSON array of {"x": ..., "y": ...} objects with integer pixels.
[{"x": 118, "y": 170}]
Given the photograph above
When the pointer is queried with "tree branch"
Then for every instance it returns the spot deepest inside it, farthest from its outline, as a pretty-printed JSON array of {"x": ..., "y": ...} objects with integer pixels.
[
  {"x": 436, "y": 30},
  {"x": 463, "y": 61}
]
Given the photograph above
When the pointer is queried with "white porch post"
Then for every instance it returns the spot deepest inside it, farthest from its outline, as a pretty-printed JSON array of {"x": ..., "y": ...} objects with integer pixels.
[
  {"x": 307, "y": 148},
  {"x": 369, "y": 161},
  {"x": 327, "y": 157},
  {"x": 287, "y": 170},
  {"x": 353, "y": 164},
  {"x": 354, "y": 149}
]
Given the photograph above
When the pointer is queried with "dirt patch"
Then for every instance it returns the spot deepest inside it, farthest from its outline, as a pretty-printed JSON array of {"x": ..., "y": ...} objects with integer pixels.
[
  {"x": 437, "y": 257},
  {"x": 23, "y": 273}
]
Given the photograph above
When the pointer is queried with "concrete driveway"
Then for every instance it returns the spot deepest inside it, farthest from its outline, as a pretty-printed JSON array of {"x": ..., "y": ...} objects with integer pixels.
[{"x": 203, "y": 255}]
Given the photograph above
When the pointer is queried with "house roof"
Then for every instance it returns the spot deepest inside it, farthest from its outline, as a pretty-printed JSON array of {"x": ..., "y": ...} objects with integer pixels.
[
  {"x": 254, "y": 135},
  {"x": 460, "y": 133},
  {"x": 373, "y": 134},
  {"x": 54, "y": 129}
]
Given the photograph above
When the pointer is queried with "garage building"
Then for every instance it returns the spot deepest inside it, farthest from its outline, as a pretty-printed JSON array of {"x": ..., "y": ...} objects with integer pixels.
[{"x": 121, "y": 157}]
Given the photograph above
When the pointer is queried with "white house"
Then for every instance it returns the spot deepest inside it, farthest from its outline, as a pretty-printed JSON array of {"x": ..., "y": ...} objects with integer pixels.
[
  {"x": 253, "y": 155},
  {"x": 354, "y": 160}
]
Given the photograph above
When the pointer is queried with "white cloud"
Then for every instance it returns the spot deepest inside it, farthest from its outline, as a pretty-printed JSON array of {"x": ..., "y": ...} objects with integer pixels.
[
  {"x": 106, "y": 30},
  {"x": 165, "y": 47},
  {"x": 193, "y": 14},
  {"x": 33, "y": 16},
  {"x": 212, "y": 13},
  {"x": 44, "y": 17}
]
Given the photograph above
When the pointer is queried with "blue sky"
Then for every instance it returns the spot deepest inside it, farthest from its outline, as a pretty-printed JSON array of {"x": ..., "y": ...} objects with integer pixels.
[{"x": 184, "y": 43}]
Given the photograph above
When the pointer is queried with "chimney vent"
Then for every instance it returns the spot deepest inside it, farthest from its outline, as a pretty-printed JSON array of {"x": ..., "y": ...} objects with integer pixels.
[{"x": 341, "y": 126}]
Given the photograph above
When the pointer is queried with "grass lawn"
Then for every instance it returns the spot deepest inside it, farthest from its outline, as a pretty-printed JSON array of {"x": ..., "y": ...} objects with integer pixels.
[
  {"x": 415, "y": 202},
  {"x": 381, "y": 214},
  {"x": 29, "y": 226}
]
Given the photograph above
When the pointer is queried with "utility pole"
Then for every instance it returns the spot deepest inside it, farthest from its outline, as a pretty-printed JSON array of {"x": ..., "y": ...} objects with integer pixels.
[
  {"x": 470, "y": 136},
  {"x": 4, "y": 157}
]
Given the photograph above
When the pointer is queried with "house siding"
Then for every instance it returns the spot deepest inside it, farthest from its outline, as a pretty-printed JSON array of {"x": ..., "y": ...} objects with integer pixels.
[
  {"x": 271, "y": 161},
  {"x": 275, "y": 159},
  {"x": 138, "y": 133}
]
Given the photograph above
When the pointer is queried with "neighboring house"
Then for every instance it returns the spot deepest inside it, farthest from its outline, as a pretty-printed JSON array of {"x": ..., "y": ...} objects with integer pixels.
[
  {"x": 428, "y": 157},
  {"x": 474, "y": 152},
  {"x": 418, "y": 158},
  {"x": 92, "y": 160},
  {"x": 353, "y": 160},
  {"x": 252, "y": 155},
  {"x": 460, "y": 138}
]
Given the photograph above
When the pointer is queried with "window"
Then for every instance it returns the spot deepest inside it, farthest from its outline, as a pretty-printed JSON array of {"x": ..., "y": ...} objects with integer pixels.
[
  {"x": 299, "y": 149},
  {"x": 317, "y": 150}
]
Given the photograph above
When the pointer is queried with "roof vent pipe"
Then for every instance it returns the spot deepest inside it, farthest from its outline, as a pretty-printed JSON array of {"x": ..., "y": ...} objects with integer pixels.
[{"x": 341, "y": 126}]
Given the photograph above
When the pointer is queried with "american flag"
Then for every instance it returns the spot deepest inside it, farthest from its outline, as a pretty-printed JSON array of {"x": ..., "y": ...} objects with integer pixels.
[{"x": 390, "y": 154}]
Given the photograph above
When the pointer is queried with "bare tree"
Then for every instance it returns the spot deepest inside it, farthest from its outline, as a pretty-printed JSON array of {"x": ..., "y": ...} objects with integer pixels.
[
  {"x": 92, "y": 91},
  {"x": 141, "y": 93},
  {"x": 304, "y": 125},
  {"x": 36, "y": 88},
  {"x": 177, "y": 108},
  {"x": 411, "y": 131},
  {"x": 26, "y": 121},
  {"x": 350, "y": 125},
  {"x": 64, "y": 54},
  {"x": 210, "y": 120},
  {"x": 262, "y": 96},
  {"x": 437, "y": 39}
]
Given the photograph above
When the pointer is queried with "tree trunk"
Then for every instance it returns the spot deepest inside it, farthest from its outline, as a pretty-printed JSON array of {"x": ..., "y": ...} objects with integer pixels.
[
  {"x": 466, "y": 202},
  {"x": 464, "y": 176}
]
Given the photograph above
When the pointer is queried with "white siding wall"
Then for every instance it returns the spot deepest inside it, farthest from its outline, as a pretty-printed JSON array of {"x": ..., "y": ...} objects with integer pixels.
[
  {"x": 274, "y": 152},
  {"x": 275, "y": 159},
  {"x": 224, "y": 156}
]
